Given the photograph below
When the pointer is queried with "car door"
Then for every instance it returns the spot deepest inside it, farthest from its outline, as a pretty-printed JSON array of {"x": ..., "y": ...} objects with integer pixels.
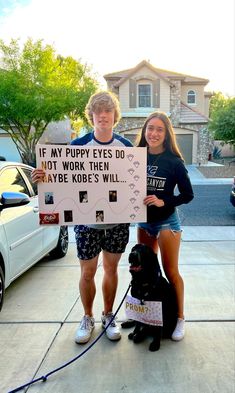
[
  {"x": 21, "y": 224},
  {"x": 50, "y": 234}
]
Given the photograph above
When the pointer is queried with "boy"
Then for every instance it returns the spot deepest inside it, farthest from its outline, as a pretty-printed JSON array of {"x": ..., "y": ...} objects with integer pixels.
[{"x": 103, "y": 113}]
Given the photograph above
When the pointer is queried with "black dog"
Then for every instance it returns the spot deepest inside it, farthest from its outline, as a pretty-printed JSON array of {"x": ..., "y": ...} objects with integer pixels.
[{"x": 148, "y": 284}]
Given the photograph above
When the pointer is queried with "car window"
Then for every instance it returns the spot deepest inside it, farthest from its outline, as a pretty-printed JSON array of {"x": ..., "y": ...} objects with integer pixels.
[
  {"x": 27, "y": 173},
  {"x": 11, "y": 180}
]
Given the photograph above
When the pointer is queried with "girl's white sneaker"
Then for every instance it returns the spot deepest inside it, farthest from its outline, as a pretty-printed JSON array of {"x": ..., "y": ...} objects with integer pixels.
[{"x": 179, "y": 331}]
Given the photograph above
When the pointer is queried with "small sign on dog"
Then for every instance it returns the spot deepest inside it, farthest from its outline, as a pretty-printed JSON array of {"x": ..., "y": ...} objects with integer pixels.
[{"x": 149, "y": 312}]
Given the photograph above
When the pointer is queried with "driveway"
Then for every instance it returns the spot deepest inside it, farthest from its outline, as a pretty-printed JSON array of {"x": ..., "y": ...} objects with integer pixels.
[{"x": 43, "y": 308}]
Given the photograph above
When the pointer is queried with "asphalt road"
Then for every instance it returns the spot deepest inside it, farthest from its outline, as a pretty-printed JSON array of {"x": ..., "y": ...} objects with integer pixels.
[{"x": 210, "y": 207}]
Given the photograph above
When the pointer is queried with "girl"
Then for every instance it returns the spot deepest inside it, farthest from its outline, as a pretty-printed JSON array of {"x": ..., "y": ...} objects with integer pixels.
[{"x": 165, "y": 171}]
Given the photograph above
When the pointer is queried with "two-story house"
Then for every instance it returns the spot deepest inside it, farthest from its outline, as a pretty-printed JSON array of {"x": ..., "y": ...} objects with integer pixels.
[{"x": 145, "y": 88}]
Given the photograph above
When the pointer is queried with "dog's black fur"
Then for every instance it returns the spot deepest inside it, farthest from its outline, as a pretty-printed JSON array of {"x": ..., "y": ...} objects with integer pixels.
[{"x": 148, "y": 284}]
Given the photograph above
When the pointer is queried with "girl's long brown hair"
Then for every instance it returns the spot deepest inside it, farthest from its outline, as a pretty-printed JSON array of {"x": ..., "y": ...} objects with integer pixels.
[{"x": 170, "y": 143}]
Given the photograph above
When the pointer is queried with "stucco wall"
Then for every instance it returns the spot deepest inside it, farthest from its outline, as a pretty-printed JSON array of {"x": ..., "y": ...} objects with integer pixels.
[
  {"x": 144, "y": 76},
  {"x": 226, "y": 150},
  {"x": 199, "y": 90}
]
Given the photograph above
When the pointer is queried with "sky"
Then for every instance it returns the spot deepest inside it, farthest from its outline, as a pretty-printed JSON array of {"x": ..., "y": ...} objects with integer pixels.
[{"x": 194, "y": 37}]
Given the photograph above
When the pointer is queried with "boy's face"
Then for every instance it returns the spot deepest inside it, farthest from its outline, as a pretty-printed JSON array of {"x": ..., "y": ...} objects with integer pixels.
[{"x": 104, "y": 120}]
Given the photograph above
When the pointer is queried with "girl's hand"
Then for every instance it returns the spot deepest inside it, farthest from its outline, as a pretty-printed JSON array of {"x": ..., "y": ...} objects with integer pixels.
[
  {"x": 37, "y": 175},
  {"x": 152, "y": 200}
]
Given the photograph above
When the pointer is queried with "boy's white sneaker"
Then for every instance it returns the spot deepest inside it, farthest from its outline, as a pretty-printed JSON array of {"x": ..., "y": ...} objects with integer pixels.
[
  {"x": 84, "y": 331},
  {"x": 179, "y": 331},
  {"x": 113, "y": 331}
]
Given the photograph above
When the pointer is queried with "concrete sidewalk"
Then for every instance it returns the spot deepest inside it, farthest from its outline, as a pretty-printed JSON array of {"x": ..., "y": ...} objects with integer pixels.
[
  {"x": 43, "y": 308},
  {"x": 197, "y": 177}
]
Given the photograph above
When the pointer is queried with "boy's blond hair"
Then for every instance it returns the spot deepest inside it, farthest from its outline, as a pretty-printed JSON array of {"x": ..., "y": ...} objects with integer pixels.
[{"x": 103, "y": 100}]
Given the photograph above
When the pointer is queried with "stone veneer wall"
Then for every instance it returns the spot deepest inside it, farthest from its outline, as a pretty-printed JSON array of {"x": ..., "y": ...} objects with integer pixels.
[
  {"x": 203, "y": 145},
  {"x": 203, "y": 148},
  {"x": 175, "y": 103},
  {"x": 129, "y": 123}
]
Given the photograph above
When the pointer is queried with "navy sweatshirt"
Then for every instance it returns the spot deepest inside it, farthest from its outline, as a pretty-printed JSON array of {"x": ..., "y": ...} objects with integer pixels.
[{"x": 165, "y": 171}]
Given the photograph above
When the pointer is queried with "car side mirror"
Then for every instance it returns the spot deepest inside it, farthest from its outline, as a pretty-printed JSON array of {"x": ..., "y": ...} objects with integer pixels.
[{"x": 13, "y": 199}]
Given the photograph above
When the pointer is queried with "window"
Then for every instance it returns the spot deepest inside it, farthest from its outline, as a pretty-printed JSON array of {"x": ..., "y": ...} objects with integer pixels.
[
  {"x": 144, "y": 94},
  {"x": 27, "y": 173},
  {"x": 191, "y": 97},
  {"x": 11, "y": 180}
]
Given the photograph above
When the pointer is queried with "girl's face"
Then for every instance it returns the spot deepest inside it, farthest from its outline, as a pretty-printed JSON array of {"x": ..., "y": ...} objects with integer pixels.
[{"x": 155, "y": 135}]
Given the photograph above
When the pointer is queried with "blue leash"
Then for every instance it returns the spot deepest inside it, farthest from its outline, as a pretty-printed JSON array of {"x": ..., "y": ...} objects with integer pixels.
[{"x": 43, "y": 378}]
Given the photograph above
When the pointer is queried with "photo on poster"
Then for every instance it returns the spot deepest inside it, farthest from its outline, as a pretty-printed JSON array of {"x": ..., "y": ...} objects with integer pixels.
[
  {"x": 113, "y": 196},
  {"x": 99, "y": 216},
  {"x": 68, "y": 216},
  {"x": 83, "y": 197},
  {"x": 49, "y": 198}
]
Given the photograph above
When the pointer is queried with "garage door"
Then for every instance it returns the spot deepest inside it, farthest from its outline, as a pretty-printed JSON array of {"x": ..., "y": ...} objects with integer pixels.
[{"x": 185, "y": 142}]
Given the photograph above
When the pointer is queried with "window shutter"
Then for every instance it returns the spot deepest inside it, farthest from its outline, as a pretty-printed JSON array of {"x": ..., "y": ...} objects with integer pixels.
[
  {"x": 156, "y": 93},
  {"x": 132, "y": 93}
]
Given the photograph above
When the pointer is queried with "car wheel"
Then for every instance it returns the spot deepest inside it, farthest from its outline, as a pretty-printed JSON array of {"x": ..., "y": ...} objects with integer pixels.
[
  {"x": 62, "y": 246},
  {"x": 2, "y": 287}
]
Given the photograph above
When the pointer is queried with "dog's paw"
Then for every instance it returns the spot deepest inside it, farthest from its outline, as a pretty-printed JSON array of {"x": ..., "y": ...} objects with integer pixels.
[
  {"x": 138, "y": 338},
  {"x": 129, "y": 323},
  {"x": 154, "y": 346},
  {"x": 130, "y": 336}
]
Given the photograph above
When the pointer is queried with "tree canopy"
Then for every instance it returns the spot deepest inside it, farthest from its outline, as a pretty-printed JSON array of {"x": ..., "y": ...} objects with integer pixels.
[
  {"x": 37, "y": 86},
  {"x": 222, "y": 118}
]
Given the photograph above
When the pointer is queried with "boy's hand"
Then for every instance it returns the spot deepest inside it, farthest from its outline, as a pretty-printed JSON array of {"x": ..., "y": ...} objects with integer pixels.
[{"x": 37, "y": 175}]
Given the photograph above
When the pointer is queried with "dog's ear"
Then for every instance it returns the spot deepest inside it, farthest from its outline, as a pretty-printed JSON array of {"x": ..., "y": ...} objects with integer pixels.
[
  {"x": 152, "y": 258},
  {"x": 134, "y": 258},
  {"x": 135, "y": 247}
]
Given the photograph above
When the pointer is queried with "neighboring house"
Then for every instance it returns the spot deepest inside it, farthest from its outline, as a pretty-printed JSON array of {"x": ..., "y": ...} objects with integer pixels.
[
  {"x": 144, "y": 89},
  {"x": 8, "y": 149},
  {"x": 56, "y": 132}
]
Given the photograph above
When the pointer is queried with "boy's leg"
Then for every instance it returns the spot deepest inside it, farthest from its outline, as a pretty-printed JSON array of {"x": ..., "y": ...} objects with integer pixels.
[
  {"x": 114, "y": 245},
  {"x": 87, "y": 284},
  {"x": 87, "y": 292},
  {"x": 110, "y": 279},
  {"x": 88, "y": 249}
]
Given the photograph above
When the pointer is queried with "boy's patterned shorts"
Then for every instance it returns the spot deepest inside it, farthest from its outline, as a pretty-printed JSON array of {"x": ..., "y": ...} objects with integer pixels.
[{"x": 91, "y": 241}]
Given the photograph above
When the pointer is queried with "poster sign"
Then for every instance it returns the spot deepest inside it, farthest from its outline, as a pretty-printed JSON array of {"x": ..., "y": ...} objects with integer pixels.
[
  {"x": 149, "y": 312},
  {"x": 91, "y": 185}
]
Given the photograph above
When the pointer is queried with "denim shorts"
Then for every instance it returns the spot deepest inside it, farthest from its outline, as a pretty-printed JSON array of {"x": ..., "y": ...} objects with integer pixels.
[
  {"x": 91, "y": 241},
  {"x": 172, "y": 223}
]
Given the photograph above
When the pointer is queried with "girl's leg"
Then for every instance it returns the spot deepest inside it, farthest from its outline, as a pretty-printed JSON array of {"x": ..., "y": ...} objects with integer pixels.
[
  {"x": 169, "y": 244},
  {"x": 144, "y": 238}
]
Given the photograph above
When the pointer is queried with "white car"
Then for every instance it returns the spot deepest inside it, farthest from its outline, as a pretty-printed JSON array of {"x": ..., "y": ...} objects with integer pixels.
[{"x": 23, "y": 242}]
